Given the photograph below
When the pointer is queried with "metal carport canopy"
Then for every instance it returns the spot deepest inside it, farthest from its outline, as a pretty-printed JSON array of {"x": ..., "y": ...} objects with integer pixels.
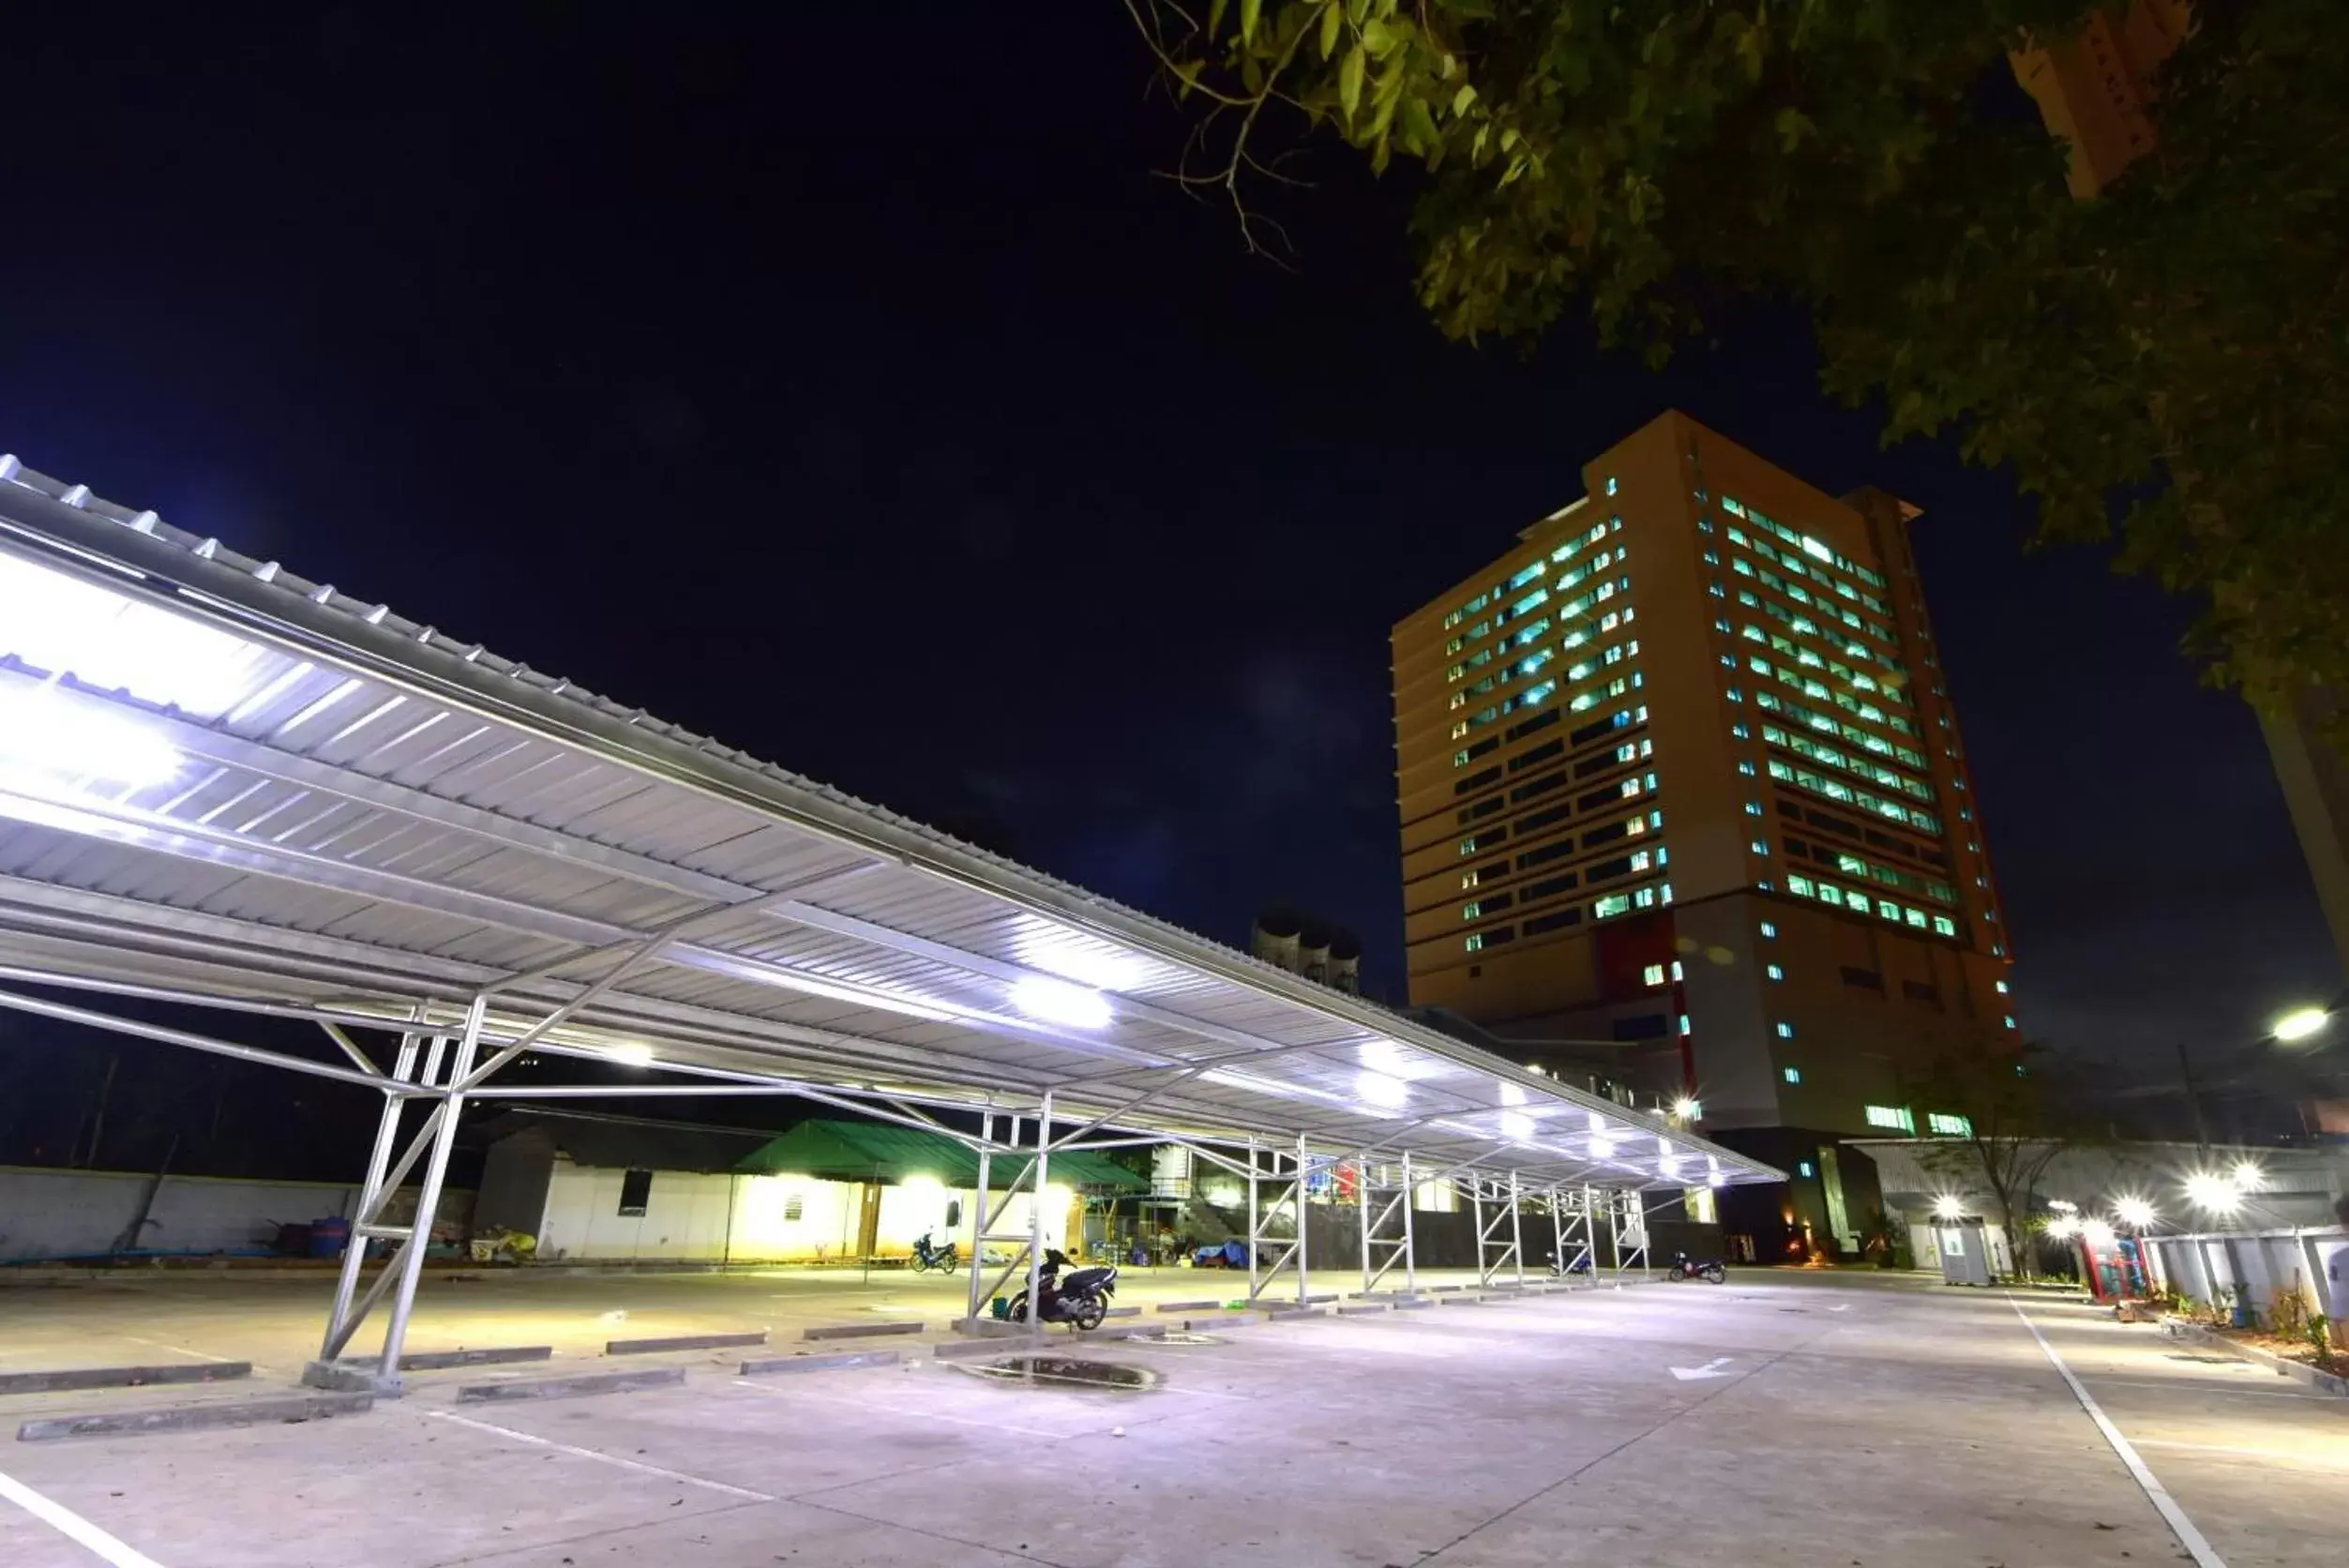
[{"x": 221, "y": 783}]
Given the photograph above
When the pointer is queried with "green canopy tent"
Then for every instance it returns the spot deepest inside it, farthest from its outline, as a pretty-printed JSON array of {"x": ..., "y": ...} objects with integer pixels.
[{"x": 876, "y": 1151}]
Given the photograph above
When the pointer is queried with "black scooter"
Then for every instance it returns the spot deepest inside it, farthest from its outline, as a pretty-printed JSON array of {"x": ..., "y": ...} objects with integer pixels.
[
  {"x": 945, "y": 1259},
  {"x": 1082, "y": 1301},
  {"x": 1684, "y": 1267}
]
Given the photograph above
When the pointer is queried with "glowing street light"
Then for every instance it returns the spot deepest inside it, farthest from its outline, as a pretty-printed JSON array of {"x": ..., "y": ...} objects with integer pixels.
[
  {"x": 2300, "y": 1023},
  {"x": 2136, "y": 1213},
  {"x": 2064, "y": 1227},
  {"x": 1949, "y": 1206},
  {"x": 2248, "y": 1177},
  {"x": 1686, "y": 1109},
  {"x": 2215, "y": 1193}
]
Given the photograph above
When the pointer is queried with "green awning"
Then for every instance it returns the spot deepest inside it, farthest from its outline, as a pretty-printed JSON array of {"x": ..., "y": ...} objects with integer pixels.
[{"x": 880, "y": 1151}]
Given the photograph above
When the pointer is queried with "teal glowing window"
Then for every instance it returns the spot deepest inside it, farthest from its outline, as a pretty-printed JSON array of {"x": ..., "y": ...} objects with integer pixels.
[
  {"x": 1776, "y": 972},
  {"x": 1770, "y": 928},
  {"x": 1806, "y": 1169},
  {"x": 1895, "y": 1117},
  {"x": 1784, "y": 1031},
  {"x": 1794, "y": 1075},
  {"x": 1941, "y": 1123}
]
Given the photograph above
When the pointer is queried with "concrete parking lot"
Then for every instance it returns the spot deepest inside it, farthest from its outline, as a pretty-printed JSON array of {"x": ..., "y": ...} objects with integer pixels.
[{"x": 1780, "y": 1419}]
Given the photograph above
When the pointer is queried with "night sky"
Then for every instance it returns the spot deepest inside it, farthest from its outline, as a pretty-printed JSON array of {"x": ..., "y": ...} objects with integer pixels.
[{"x": 851, "y": 389}]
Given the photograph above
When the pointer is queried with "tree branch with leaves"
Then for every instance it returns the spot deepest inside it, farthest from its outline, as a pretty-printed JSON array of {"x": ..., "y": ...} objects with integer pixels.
[{"x": 2173, "y": 354}]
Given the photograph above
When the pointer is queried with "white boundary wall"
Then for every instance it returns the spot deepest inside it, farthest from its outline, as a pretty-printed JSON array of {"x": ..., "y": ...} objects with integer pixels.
[
  {"x": 47, "y": 1212},
  {"x": 2261, "y": 1264}
]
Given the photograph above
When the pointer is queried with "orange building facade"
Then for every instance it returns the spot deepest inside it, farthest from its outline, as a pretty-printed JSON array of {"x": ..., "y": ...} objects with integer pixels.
[{"x": 1682, "y": 793}]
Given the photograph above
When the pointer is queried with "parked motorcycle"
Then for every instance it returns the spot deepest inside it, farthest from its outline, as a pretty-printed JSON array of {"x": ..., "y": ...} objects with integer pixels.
[
  {"x": 1581, "y": 1265},
  {"x": 1710, "y": 1269},
  {"x": 946, "y": 1259},
  {"x": 1082, "y": 1301}
]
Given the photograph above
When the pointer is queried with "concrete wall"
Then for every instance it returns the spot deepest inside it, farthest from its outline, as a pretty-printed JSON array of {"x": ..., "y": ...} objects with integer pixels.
[{"x": 79, "y": 1213}]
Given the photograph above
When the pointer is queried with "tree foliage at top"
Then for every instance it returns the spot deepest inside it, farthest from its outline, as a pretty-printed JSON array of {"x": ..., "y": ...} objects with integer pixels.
[{"x": 2171, "y": 350}]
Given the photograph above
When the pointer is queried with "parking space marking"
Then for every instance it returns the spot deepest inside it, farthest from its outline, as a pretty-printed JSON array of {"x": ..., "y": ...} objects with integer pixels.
[
  {"x": 2203, "y": 1386},
  {"x": 57, "y": 1517},
  {"x": 2159, "y": 1496},
  {"x": 2279, "y": 1456},
  {"x": 184, "y": 1350},
  {"x": 899, "y": 1410},
  {"x": 536, "y": 1442}
]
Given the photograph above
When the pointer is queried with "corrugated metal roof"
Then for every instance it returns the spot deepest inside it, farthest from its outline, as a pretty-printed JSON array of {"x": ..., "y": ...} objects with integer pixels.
[{"x": 223, "y": 780}]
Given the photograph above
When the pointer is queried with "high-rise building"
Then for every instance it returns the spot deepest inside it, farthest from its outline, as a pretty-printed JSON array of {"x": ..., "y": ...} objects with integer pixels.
[{"x": 1682, "y": 792}]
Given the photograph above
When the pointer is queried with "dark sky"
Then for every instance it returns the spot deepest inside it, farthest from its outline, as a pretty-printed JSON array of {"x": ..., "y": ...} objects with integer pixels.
[{"x": 849, "y": 388}]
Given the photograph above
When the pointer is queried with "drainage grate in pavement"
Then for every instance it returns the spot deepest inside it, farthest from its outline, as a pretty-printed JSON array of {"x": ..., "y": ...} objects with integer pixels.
[
  {"x": 1176, "y": 1336},
  {"x": 2212, "y": 1361},
  {"x": 1067, "y": 1369}
]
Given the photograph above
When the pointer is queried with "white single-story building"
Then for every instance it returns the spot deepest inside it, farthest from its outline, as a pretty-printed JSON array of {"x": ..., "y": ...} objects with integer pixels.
[{"x": 601, "y": 1188}]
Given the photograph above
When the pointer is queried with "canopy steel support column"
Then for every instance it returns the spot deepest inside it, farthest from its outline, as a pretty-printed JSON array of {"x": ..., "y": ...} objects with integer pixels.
[
  {"x": 1380, "y": 1253},
  {"x": 1031, "y": 1253},
  {"x": 978, "y": 1211},
  {"x": 1410, "y": 1257},
  {"x": 1511, "y": 1256},
  {"x": 340, "y": 1320},
  {"x": 1516, "y": 1225},
  {"x": 1303, "y": 1249},
  {"x": 1263, "y": 1213},
  {"x": 1476, "y": 1212},
  {"x": 410, "y": 1263},
  {"x": 1627, "y": 1232},
  {"x": 1570, "y": 1220},
  {"x": 1035, "y": 1216},
  {"x": 1255, "y": 1226}
]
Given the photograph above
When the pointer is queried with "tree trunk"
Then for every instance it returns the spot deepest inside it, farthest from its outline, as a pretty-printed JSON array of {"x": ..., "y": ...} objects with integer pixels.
[{"x": 97, "y": 1121}]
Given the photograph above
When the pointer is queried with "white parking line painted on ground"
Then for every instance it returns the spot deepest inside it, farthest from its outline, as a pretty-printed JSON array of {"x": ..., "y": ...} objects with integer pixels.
[
  {"x": 184, "y": 1350},
  {"x": 872, "y": 1405},
  {"x": 638, "y": 1465},
  {"x": 57, "y": 1517},
  {"x": 2159, "y": 1496},
  {"x": 2282, "y": 1455}
]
